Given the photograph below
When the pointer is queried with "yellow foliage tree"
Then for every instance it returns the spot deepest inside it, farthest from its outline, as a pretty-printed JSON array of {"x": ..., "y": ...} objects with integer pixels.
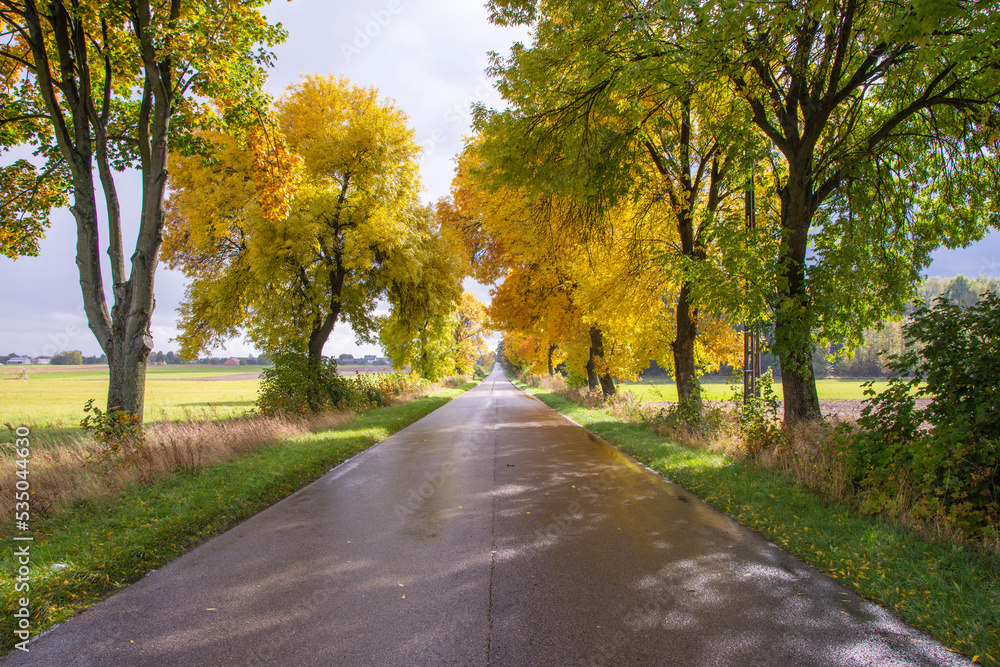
[
  {"x": 353, "y": 233},
  {"x": 603, "y": 300}
]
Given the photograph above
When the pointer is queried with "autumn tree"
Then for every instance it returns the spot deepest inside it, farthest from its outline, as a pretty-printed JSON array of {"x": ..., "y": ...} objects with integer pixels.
[
  {"x": 440, "y": 343},
  {"x": 604, "y": 124},
  {"x": 98, "y": 87},
  {"x": 354, "y": 233},
  {"x": 597, "y": 306},
  {"x": 528, "y": 246},
  {"x": 880, "y": 118},
  {"x": 469, "y": 334},
  {"x": 884, "y": 118}
]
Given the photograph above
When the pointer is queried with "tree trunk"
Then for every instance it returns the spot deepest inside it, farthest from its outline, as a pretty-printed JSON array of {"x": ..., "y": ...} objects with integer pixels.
[
  {"x": 319, "y": 336},
  {"x": 552, "y": 350},
  {"x": 592, "y": 380},
  {"x": 793, "y": 318},
  {"x": 127, "y": 367},
  {"x": 597, "y": 352},
  {"x": 321, "y": 333},
  {"x": 683, "y": 347}
]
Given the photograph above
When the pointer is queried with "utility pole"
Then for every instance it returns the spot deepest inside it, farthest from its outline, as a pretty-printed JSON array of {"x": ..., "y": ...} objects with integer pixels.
[{"x": 751, "y": 340}]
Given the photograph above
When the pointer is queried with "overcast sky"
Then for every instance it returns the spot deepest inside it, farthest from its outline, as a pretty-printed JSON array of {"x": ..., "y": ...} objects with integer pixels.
[{"x": 428, "y": 56}]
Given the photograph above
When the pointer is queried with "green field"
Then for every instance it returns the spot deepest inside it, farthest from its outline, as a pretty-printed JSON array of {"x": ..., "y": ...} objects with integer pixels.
[
  {"x": 53, "y": 396},
  {"x": 719, "y": 389}
]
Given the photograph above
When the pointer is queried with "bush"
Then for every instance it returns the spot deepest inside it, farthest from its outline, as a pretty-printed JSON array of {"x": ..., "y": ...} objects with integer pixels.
[
  {"x": 299, "y": 385},
  {"x": 947, "y": 455},
  {"x": 453, "y": 381},
  {"x": 757, "y": 419},
  {"x": 118, "y": 434},
  {"x": 689, "y": 421}
]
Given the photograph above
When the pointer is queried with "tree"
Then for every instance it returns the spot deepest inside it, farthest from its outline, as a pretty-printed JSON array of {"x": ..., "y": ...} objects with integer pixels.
[
  {"x": 880, "y": 118},
  {"x": 103, "y": 86},
  {"x": 68, "y": 358},
  {"x": 469, "y": 334},
  {"x": 608, "y": 126},
  {"x": 595, "y": 298},
  {"x": 529, "y": 243},
  {"x": 353, "y": 234},
  {"x": 884, "y": 117}
]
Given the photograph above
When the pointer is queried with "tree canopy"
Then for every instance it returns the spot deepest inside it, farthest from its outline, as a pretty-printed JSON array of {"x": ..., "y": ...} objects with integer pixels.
[
  {"x": 354, "y": 233},
  {"x": 94, "y": 88},
  {"x": 870, "y": 127}
]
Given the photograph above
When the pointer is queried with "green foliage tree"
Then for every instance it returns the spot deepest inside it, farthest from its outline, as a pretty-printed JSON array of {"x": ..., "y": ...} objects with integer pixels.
[
  {"x": 353, "y": 234},
  {"x": 98, "y": 87},
  {"x": 880, "y": 120},
  {"x": 883, "y": 116},
  {"x": 68, "y": 358}
]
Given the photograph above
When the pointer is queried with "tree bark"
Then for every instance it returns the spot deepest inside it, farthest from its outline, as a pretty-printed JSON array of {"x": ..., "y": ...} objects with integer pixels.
[
  {"x": 685, "y": 374},
  {"x": 592, "y": 381},
  {"x": 606, "y": 382},
  {"x": 552, "y": 350},
  {"x": 792, "y": 324}
]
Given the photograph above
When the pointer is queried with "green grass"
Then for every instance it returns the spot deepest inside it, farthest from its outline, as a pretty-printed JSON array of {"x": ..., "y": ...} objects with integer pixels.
[
  {"x": 53, "y": 398},
  {"x": 947, "y": 592},
  {"x": 108, "y": 543},
  {"x": 719, "y": 389}
]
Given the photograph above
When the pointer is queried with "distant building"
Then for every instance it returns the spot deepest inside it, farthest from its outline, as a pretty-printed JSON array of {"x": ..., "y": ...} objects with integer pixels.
[
  {"x": 43, "y": 361},
  {"x": 231, "y": 361},
  {"x": 370, "y": 358},
  {"x": 19, "y": 361}
]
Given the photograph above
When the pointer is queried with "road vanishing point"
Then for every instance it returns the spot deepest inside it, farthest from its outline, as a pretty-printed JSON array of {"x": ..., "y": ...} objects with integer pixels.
[{"x": 494, "y": 531}]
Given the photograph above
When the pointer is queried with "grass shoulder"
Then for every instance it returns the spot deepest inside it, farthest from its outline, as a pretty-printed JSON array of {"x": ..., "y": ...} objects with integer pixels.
[
  {"x": 947, "y": 592},
  {"x": 85, "y": 552}
]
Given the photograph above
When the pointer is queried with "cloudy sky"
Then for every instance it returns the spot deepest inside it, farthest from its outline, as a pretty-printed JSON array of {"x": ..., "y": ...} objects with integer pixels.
[{"x": 428, "y": 56}]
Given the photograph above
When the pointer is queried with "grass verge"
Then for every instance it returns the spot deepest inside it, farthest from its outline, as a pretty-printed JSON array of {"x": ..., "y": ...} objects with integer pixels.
[
  {"x": 86, "y": 552},
  {"x": 944, "y": 591}
]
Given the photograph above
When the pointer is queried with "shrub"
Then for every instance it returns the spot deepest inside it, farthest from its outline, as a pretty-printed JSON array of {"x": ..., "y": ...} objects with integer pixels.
[
  {"x": 757, "y": 419},
  {"x": 689, "y": 420},
  {"x": 947, "y": 455},
  {"x": 299, "y": 385},
  {"x": 453, "y": 381},
  {"x": 118, "y": 434}
]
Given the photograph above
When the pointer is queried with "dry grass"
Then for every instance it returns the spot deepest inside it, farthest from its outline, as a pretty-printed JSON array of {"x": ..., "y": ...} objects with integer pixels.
[
  {"x": 811, "y": 454},
  {"x": 454, "y": 381},
  {"x": 814, "y": 455},
  {"x": 80, "y": 468}
]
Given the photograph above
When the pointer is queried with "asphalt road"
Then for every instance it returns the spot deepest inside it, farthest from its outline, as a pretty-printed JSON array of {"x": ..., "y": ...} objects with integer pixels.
[{"x": 492, "y": 532}]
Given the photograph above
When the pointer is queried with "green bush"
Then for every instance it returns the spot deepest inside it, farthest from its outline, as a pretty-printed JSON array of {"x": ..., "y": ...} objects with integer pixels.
[
  {"x": 118, "y": 433},
  {"x": 299, "y": 385},
  {"x": 757, "y": 419},
  {"x": 946, "y": 455},
  {"x": 689, "y": 420}
]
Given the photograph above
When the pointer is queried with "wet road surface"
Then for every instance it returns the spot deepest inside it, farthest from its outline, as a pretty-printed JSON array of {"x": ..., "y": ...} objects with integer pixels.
[{"x": 492, "y": 532}]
